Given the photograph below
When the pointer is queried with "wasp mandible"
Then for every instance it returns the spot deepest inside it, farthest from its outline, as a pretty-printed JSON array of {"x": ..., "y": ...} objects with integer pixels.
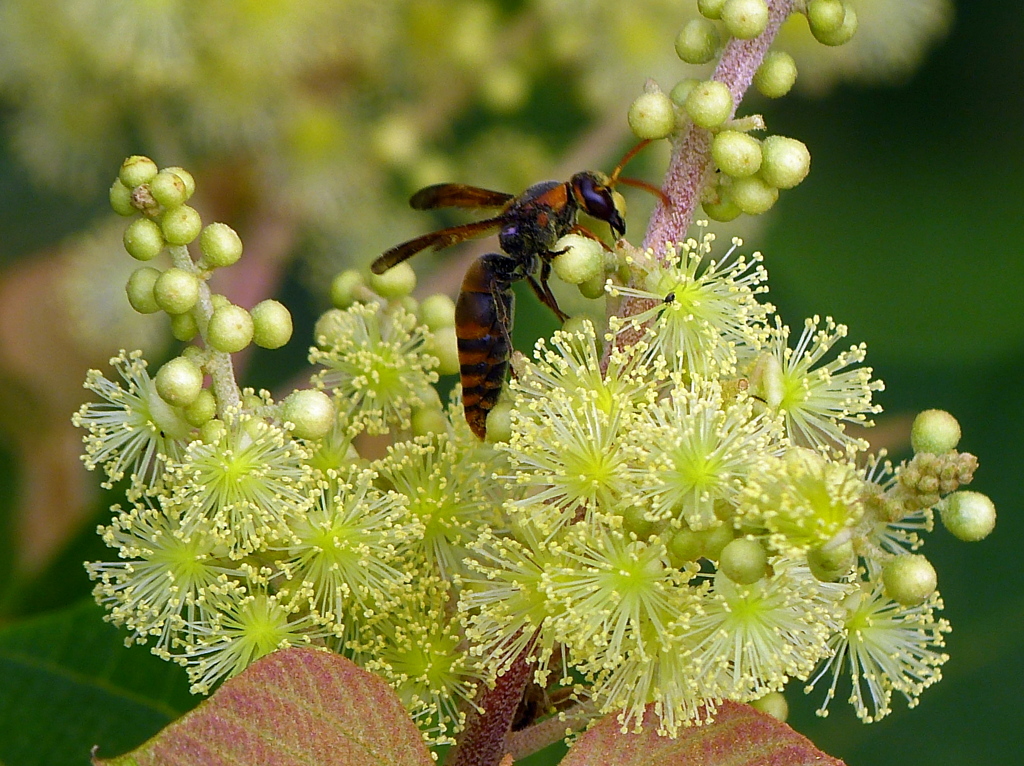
[{"x": 528, "y": 226}]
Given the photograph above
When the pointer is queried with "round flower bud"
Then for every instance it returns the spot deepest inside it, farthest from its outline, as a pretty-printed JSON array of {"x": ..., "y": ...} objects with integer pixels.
[
  {"x": 776, "y": 75},
  {"x": 752, "y": 195},
  {"x": 825, "y": 16},
  {"x": 121, "y": 198},
  {"x": 635, "y": 522},
  {"x": 582, "y": 258},
  {"x": 202, "y": 410},
  {"x": 181, "y": 225},
  {"x": 843, "y": 34},
  {"x": 745, "y": 19},
  {"x": 681, "y": 90},
  {"x": 176, "y": 291},
  {"x": 140, "y": 290},
  {"x": 773, "y": 704},
  {"x": 230, "y": 329},
  {"x": 969, "y": 516},
  {"x": 186, "y": 178},
  {"x": 697, "y": 42},
  {"x": 168, "y": 189},
  {"x": 499, "y": 423},
  {"x": 651, "y": 115},
  {"x": 743, "y": 561},
  {"x": 272, "y": 324},
  {"x": 935, "y": 431},
  {"x": 684, "y": 546},
  {"x": 344, "y": 286},
  {"x": 445, "y": 346},
  {"x": 785, "y": 162},
  {"x": 593, "y": 288},
  {"x": 184, "y": 327},
  {"x": 715, "y": 540},
  {"x": 428, "y": 420},
  {"x": 437, "y": 311},
  {"x": 333, "y": 326},
  {"x": 722, "y": 208},
  {"x": 311, "y": 412},
  {"x": 143, "y": 239},
  {"x": 218, "y": 300},
  {"x": 909, "y": 579},
  {"x": 198, "y": 356},
  {"x": 136, "y": 170},
  {"x": 396, "y": 282},
  {"x": 711, "y": 9},
  {"x": 709, "y": 104},
  {"x": 737, "y": 154},
  {"x": 220, "y": 245},
  {"x": 829, "y": 564},
  {"x": 179, "y": 382},
  {"x": 212, "y": 431}
]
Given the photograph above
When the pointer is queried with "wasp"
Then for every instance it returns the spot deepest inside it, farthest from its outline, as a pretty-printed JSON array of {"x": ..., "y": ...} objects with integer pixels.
[{"x": 528, "y": 226}]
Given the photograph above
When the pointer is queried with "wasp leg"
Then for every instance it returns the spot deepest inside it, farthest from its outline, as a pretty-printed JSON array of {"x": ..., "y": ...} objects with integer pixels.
[{"x": 543, "y": 292}]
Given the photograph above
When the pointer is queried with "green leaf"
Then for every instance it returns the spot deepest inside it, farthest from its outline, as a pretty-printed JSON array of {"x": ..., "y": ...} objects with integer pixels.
[
  {"x": 69, "y": 683},
  {"x": 295, "y": 706},
  {"x": 739, "y": 736}
]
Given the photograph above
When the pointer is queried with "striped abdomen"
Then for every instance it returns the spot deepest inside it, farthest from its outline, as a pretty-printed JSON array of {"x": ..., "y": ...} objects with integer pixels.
[{"x": 483, "y": 322}]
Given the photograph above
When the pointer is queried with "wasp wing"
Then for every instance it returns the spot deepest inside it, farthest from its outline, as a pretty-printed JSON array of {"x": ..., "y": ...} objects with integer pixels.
[
  {"x": 457, "y": 195},
  {"x": 439, "y": 239}
]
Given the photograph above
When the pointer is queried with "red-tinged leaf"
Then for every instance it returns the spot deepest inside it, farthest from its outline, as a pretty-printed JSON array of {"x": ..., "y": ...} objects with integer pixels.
[
  {"x": 295, "y": 707},
  {"x": 739, "y": 736}
]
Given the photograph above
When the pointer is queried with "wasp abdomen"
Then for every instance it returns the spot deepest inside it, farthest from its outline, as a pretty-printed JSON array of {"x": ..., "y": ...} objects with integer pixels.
[{"x": 483, "y": 316}]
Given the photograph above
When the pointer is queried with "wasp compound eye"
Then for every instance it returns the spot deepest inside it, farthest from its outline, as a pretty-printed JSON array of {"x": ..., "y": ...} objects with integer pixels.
[{"x": 596, "y": 199}]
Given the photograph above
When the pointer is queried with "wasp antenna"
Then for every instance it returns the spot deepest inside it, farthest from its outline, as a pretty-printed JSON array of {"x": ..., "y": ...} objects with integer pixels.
[
  {"x": 629, "y": 155},
  {"x": 638, "y": 184}
]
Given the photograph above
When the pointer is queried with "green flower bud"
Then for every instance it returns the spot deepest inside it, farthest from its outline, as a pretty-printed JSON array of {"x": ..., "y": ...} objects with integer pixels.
[
  {"x": 698, "y": 41},
  {"x": 212, "y": 430},
  {"x": 909, "y": 579},
  {"x": 176, "y": 291},
  {"x": 220, "y": 245},
  {"x": 333, "y": 326},
  {"x": 681, "y": 90},
  {"x": 186, "y": 178},
  {"x": 737, "y": 154},
  {"x": 651, "y": 115},
  {"x": 136, "y": 170},
  {"x": 272, "y": 324},
  {"x": 745, "y": 19},
  {"x": 168, "y": 189},
  {"x": 715, "y": 540},
  {"x": 344, "y": 286},
  {"x": 969, "y": 516},
  {"x": 785, "y": 161},
  {"x": 685, "y": 546},
  {"x": 179, "y": 382},
  {"x": 143, "y": 239},
  {"x": 825, "y": 16},
  {"x": 198, "y": 356},
  {"x": 121, "y": 198},
  {"x": 829, "y": 564},
  {"x": 582, "y": 258},
  {"x": 499, "y": 423},
  {"x": 202, "y": 410},
  {"x": 140, "y": 290},
  {"x": 709, "y": 104},
  {"x": 720, "y": 207},
  {"x": 218, "y": 300},
  {"x": 429, "y": 420},
  {"x": 752, "y": 195},
  {"x": 711, "y": 9},
  {"x": 396, "y": 282},
  {"x": 445, "y": 346},
  {"x": 311, "y": 413},
  {"x": 776, "y": 75},
  {"x": 181, "y": 225},
  {"x": 593, "y": 288},
  {"x": 230, "y": 329},
  {"x": 184, "y": 327},
  {"x": 437, "y": 311},
  {"x": 935, "y": 431},
  {"x": 843, "y": 34},
  {"x": 743, "y": 561},
  {"x": 773, "y": 704}
]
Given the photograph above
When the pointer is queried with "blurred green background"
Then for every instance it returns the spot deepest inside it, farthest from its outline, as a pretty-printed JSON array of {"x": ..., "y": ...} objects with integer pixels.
[{"x": 308, "y": 126}]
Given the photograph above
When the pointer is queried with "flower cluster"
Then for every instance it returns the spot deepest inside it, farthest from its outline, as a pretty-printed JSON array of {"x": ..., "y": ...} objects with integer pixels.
[{"x": 676, "y": 515}]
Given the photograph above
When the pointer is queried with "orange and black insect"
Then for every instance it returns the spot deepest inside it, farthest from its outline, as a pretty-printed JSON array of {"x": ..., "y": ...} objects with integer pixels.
[{"x": 528, "y": 227}]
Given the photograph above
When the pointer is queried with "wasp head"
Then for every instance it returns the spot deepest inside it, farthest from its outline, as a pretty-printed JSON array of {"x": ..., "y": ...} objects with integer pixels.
[{"x": 594, "y": 193}]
